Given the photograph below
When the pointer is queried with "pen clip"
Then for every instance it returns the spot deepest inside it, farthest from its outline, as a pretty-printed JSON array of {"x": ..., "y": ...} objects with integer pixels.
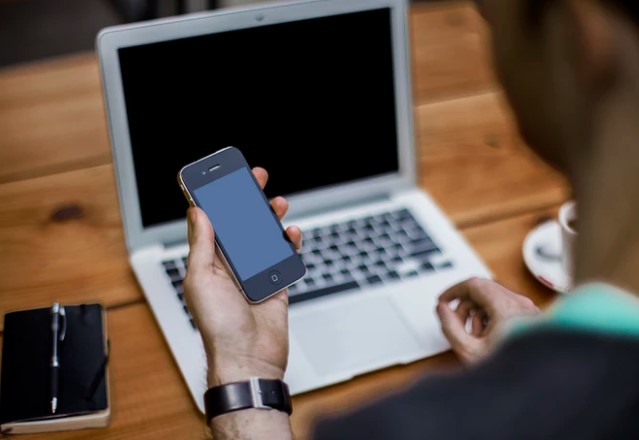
[{"x": 63, "y": 316}]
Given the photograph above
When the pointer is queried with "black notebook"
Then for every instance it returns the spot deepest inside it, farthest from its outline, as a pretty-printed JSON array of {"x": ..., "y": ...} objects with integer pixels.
[{"x": 25, "y": 387}]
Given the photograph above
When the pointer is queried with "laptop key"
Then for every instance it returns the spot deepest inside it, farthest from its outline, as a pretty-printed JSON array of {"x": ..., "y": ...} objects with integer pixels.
[
  {"x": 351, "y": 285},
  {"x": 425, "y": 252},
  {"x": 174, "y": 274},
  {"x": 425, "y": 243},
  {"x": 407, "y": 267},
  {"x": 388, "y": 216},
  {"x": 363, "y": 268},
  {"x": 418, "y": 234},
  {"x": 168, "y": 265},
  {"x": 426, "y": 267},
  {"x": 393, "y": 275},
  {"x": 374, "y": 279}
]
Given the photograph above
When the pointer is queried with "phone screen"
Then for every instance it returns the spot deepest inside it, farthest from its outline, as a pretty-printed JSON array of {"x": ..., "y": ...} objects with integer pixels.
[{"x": 244, "y": 224}]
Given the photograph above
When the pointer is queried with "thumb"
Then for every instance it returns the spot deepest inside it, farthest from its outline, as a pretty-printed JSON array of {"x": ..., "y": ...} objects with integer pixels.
[
  {"x": 454, "y": 329},
  {"x": 201, "y": 240}
]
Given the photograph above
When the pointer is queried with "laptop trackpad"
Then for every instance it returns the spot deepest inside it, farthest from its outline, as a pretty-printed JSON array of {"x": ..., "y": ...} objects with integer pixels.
[{"x": 363, "y": 335}]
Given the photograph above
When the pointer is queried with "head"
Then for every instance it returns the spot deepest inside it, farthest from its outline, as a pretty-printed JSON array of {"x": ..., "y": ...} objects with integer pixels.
[{"x": 561, "y": 62}]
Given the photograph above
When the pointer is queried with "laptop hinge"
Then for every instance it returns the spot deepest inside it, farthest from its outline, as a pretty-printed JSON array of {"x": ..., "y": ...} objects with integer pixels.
[{"x": 382, "y": 197}]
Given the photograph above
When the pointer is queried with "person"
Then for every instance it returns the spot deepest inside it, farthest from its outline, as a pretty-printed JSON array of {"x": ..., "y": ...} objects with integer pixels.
[{"x": 570, "y": 69}]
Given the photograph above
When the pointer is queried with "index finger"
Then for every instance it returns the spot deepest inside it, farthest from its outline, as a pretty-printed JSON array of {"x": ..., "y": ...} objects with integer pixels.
[
  {"x": 261, "y": 176},
  {"x": 474, "y": 289}
]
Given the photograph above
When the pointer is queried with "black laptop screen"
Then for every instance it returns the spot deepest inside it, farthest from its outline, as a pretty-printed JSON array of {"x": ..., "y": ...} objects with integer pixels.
[{"x": 300, "y": 99}]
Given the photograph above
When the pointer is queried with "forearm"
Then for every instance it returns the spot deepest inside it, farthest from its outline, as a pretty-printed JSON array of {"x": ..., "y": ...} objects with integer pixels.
[{"x": 252, "y": 424}]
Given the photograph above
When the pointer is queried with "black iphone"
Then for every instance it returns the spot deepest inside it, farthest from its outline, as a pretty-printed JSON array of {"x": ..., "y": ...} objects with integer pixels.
[{"x": 248, "y": 233}]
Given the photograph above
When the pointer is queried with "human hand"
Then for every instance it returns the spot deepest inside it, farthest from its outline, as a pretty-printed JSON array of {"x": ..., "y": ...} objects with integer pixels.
[
  {"x": 488, "y": 305},
  {"x": 241, "y": 340}
]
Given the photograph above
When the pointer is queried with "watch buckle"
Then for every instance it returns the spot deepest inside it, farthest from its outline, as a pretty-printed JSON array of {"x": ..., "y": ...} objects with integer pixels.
[{"x": 256, "y": 393}]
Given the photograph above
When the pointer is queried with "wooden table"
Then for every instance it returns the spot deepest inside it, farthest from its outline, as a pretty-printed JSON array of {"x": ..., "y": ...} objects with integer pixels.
[{"x": 61, "y": 235}]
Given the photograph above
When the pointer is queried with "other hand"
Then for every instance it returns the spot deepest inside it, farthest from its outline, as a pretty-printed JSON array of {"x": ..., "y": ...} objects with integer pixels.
[
  {"x": 487, "y": 305},
  {"x": 241, "y": 340}
]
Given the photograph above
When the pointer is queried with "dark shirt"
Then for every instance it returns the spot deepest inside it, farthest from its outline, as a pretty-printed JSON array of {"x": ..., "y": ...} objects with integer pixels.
[{"x": 550, "y": 383}]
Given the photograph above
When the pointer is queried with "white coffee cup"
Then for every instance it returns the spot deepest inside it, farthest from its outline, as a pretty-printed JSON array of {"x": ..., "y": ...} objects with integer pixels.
[{"x": 567, "y": 221}]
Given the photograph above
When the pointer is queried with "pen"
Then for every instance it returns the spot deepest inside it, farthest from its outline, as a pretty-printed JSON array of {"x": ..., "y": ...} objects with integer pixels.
[{"x": 57, "y": 312}]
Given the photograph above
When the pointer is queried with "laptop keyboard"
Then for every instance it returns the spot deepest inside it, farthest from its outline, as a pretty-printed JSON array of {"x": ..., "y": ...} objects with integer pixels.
[
  {"x": 373, "y": 250},
  {"x": 176, "y": 271},
  {"x": 369, "y": 251}
]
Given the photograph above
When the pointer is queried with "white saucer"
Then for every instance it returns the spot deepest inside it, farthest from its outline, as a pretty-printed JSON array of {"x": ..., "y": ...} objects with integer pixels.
[{"x": 542, "y": 255}]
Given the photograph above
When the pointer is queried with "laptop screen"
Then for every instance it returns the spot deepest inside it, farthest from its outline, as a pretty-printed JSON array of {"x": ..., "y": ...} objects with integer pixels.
[{"x": 301, "y": 99}]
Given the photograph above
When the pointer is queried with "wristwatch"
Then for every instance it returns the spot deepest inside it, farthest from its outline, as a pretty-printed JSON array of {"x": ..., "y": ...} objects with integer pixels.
[{"x": 254, "y": 393}]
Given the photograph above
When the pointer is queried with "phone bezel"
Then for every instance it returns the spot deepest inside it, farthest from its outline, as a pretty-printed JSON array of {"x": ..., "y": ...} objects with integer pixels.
[{"x": 258, "y": 287}]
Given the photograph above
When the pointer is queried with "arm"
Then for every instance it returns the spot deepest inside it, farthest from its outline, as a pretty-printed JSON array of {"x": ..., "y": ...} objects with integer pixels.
[{"x": 241, "y": 340}]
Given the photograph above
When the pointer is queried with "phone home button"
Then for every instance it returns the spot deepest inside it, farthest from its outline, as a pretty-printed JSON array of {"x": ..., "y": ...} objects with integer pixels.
[{"x": 275, "y": 277}]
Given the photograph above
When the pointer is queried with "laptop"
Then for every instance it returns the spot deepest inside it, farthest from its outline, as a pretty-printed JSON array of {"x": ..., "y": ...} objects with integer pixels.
[{"x": 319, "y": 94}]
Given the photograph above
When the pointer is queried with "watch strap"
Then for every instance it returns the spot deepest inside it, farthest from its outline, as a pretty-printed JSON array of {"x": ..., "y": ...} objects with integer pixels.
[{"x": 254, "y": 393}]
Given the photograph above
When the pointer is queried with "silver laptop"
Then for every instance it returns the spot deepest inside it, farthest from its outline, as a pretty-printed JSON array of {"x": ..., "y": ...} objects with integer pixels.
[{"x": 301, "y": 88}]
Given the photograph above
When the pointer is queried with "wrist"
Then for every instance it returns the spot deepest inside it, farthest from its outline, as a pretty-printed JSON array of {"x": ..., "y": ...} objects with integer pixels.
[{"x": 220, "y": 373}]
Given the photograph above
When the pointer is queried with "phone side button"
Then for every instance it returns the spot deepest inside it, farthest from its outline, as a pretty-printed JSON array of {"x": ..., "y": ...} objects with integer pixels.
[{"x": 275, "y": 277}]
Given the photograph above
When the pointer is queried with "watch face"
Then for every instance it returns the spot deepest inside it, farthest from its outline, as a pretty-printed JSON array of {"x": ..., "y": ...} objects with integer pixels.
[{"x": 253, "y": 393}]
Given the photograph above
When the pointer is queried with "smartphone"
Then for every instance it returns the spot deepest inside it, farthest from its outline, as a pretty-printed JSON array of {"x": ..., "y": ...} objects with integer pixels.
[{"x": 248, "y": 234}]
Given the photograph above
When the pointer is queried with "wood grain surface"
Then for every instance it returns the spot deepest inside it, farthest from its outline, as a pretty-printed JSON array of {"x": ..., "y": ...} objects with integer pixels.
[
  {"x": 61, "y": 234},
  {"x": 52, "y": 113},
  {"x": 150, "y": 399}
]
